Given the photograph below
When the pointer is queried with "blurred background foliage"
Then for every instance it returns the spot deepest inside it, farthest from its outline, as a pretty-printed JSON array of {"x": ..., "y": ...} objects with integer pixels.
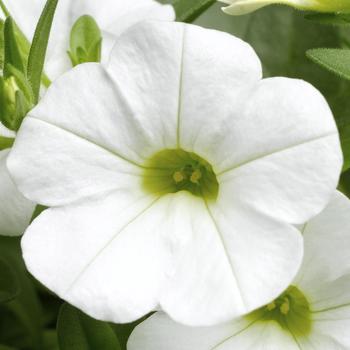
[{"x": 281, "y": 36}]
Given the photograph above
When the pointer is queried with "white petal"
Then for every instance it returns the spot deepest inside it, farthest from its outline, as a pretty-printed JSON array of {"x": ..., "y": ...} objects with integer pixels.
[
  {"x": 243, "y": 7},
  {"x": 283, "y": 155},
  {"x": 160, "y": 332},
  {"x": 112, "y": 16},
  {"x": 261, "y": 336},
  {"x": 15, "y": 210},
  {"x": 53, "y": 166},
  {"x": 272, "y": 115},
  {"x": 115, "y": 16},
  {"x": 325, "y": 272},
  {"x": 332, "y": 327},
  {"x": 4, "y": 132},
  {"x": 233, "y": 265},
  {"x": 216, "y": 69},
  {"x": 106, "y": 256},
  {"x": 111, "y": 255}
]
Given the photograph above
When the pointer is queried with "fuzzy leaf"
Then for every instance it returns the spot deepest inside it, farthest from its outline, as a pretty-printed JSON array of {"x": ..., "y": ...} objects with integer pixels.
[{"x": 335, "y": 60}]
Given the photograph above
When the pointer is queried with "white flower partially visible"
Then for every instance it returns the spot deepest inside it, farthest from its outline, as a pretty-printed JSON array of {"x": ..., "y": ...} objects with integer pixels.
[
  {"x": 242, "y": 7},
  {"x": 113, "y": 17},
  {"x": 174, "y": 173},
  {"x": 323, "y": 322},
  {"x": 15, "y": 210}
]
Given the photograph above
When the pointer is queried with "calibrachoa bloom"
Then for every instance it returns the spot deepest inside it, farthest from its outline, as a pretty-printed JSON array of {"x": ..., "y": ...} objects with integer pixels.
[
  {"x": 242, "y": 7},
  {"x": 313, "y": 313},
  {"x": 114, "y": 16},
  {"x": 174, "y": 173}
]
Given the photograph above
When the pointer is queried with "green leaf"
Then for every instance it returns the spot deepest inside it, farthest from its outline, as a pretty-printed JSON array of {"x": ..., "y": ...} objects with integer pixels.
[
  {"x": 85, "y": 41},
  {"x": 2, "y": 44},
  {"x": 77, "y": 331},
  {"x": 339, "y": 19},
  {"x": 9, "y": 284},
  {"x": 335, "y": 60},
  {"x": 12, "y": 54},
  {"x": 38, "y": 48},
  {"x": 189, "y": 10},
  {"x": 6, "y": 142},
  {"x": 50, "y": 341},
  {"x": 21, "y": 318}
]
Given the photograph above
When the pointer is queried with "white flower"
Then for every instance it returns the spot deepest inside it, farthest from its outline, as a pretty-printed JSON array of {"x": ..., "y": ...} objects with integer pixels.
[
  {"x": 15, "y": 210},
  {"x": 174, "y": 173},
  {"x": 314, "y": 314},
  {"x": 242, "y": 7},
  {"x": 113, "y": 17}
]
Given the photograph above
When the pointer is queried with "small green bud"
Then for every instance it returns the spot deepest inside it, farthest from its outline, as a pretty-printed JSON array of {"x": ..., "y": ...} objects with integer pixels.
[
  {"x": 85, "y": 41},
  {"x": 242, "y": 7},
  {"x": 14, "y": 104}
]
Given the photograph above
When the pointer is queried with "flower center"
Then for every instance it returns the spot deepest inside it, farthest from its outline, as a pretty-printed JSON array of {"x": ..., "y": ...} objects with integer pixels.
[
  {"x": 291, "y": 310},
  {"x": 174, "y": 170}
]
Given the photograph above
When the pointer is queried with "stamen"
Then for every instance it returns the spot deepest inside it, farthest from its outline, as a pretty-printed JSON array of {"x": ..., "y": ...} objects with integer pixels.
[
  {"x": 196, "y": 176},
  {"x": 178, "y": 176},
  {"x": 285, "y": 307},
  {"x": 271, "y": 306}
]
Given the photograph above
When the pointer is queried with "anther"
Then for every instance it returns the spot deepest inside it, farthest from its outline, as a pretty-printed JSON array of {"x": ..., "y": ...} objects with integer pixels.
[
  {"x": 285, "y": 307},
  {"x": 178, "y": 176},
  {"x": 271, "y": 306},
  {"x": 196, "y": 175}
]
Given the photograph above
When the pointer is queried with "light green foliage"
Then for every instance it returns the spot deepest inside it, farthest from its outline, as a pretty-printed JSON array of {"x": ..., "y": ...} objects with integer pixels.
[
  {"x": 330, "y": 18},
  {"x": 290, "y": 310},
  {"x": 174, "y": 170},
  {"x": 77, "y": 331},
  {"x": 335, "y": 60},
  {"x": 85, "y": 41}
]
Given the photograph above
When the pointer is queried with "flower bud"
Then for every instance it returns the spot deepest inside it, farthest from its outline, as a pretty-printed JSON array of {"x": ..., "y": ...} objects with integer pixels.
[
  {"x": 14, "y": 105},
  {"x": 242, "y": 7}
]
